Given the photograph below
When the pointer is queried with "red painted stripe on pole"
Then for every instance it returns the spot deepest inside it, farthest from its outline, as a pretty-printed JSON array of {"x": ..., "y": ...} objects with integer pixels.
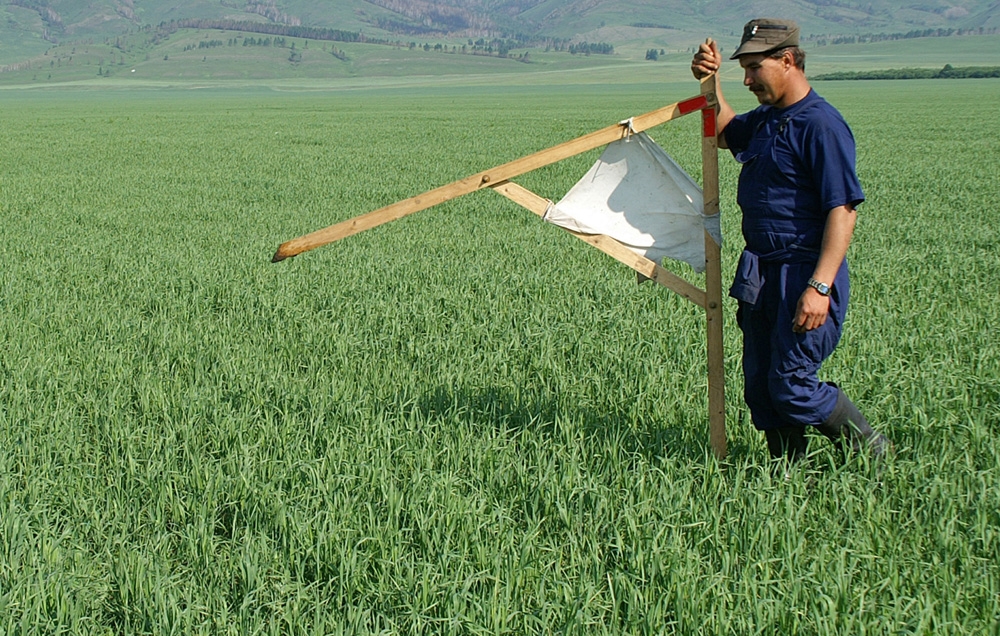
[
  {"x": 708, "y": 122},
  {"x": 691, "y": 105}
]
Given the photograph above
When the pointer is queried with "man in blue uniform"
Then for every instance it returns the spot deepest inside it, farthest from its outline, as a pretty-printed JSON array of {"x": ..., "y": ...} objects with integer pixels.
[{"x": 798, "y": 192}]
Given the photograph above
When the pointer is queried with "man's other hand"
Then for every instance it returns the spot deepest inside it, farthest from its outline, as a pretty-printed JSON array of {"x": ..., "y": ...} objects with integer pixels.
[
  {"x": 707, "y": 60},
  {"x": 812, "y": 310}
]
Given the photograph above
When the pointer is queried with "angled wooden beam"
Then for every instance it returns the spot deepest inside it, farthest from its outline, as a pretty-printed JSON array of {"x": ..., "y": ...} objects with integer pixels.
[{"x": 486, "y": 178}]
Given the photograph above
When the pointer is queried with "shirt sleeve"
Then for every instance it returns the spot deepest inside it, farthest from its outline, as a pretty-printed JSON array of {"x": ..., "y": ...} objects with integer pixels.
[
  {"x": 831, "y": 158},
  {"x": 738, "y": 132}
]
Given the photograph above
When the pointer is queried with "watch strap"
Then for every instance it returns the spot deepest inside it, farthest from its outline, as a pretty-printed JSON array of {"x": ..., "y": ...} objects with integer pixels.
[{"x": 822, "y": 288}]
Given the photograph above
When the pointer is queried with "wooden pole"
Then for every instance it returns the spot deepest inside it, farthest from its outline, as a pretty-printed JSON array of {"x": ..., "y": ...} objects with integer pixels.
[{"x": 713, "y": 272}]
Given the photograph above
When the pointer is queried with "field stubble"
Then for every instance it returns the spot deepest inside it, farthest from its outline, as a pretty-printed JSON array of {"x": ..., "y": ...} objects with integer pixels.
[{"x": 465, "y": 421}]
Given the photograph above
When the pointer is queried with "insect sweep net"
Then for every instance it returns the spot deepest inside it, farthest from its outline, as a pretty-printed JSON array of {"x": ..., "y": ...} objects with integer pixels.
[{"x": 638, "y": 195}]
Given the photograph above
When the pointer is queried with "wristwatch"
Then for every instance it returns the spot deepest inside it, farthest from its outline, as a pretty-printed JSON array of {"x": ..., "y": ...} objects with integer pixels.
[{"x": 822, "y": 288}]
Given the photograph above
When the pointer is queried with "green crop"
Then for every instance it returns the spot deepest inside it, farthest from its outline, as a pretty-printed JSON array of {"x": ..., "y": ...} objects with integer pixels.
[{"x": 465, "y": 421}]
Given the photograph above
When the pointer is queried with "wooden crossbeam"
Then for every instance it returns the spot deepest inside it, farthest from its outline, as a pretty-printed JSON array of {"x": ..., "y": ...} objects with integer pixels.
[{"x": 486, "y": 178}]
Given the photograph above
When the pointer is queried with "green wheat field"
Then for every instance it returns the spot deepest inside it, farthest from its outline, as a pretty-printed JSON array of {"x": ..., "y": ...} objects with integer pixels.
[{"x": 466, "y": 421}]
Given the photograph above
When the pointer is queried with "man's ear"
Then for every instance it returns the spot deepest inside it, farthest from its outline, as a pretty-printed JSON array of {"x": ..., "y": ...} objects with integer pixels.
[{"x": 787, "y": 60}]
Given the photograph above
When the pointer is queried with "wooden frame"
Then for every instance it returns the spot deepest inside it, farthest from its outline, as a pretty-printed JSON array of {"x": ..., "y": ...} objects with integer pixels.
[{"x": 499, "y": 180}]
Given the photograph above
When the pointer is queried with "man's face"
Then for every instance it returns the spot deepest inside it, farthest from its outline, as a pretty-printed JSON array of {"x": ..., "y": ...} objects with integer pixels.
[{"x": 765, "y": 77}]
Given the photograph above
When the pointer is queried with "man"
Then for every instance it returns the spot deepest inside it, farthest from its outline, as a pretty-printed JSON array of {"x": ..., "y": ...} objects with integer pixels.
[{"x": 798, "y": 192}]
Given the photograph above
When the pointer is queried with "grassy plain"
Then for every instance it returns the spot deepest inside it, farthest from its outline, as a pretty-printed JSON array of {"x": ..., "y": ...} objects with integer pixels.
[{"x": 465, "y": 421}]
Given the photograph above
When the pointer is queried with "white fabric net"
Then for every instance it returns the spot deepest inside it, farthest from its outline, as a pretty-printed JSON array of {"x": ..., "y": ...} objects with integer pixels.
[{"x": 638, "y": 195}]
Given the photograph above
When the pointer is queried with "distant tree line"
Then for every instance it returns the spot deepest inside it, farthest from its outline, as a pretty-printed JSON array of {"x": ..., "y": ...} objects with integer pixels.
[
  {"x": 284, "y": 30},
  {"x": 588, "y": 48},
  {"x": 503, "y": 43},
  {"x": 265, "y": 42},
  {"x": 865, "y": 38},
  {"x": 501, "y": 47},
  {"x": 948, "y": 72},
  {"x": 207, "y": 44},
  {"x": 278, "y": 42},
  {"x": 650, "y": 25}
]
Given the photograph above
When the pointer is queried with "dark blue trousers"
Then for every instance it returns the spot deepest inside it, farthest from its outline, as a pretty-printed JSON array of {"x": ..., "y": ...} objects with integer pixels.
[{"x": 780, "y": 366}]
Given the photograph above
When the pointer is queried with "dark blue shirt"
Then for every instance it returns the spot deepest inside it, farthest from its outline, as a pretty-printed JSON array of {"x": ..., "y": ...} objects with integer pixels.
[{"x": 798, "y": 164}]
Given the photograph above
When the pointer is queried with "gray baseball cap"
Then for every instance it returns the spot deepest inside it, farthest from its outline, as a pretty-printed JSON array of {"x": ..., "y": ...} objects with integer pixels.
[{"x": 764, "y": 35}]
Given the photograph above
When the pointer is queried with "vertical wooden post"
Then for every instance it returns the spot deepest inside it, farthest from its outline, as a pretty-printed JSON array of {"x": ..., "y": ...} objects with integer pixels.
[{"x": 713, "y": 271}]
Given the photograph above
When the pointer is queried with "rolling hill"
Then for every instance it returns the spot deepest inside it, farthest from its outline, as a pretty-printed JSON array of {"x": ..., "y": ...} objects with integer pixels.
[{"x": 61, "y": 40}]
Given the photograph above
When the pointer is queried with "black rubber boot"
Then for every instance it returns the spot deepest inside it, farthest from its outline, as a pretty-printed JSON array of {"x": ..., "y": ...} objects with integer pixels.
[
  {"x": 788, "y": 442},
  {"x": 847, "y": 427}
]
